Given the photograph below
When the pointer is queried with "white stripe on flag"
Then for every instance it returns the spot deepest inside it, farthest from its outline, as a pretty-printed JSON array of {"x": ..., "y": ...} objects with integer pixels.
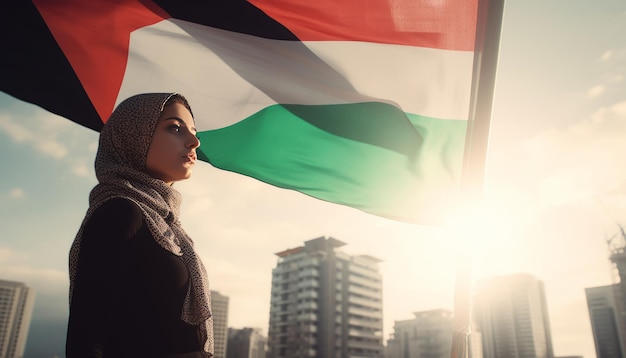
[{"x": 229, "y": 76}]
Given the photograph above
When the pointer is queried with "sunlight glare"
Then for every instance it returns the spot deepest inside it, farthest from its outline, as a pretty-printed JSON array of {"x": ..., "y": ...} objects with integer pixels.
[{"x": 480, "y": 233}]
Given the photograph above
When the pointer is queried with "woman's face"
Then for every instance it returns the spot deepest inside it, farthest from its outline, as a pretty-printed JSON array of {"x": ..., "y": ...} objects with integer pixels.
[{"x": 172, "y": 152}]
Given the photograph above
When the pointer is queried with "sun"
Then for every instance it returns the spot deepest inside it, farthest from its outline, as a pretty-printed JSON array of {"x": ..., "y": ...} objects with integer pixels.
[{"x": 482, "y": 234}]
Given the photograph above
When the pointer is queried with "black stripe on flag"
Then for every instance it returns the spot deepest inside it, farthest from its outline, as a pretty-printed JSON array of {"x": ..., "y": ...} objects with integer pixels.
[
  {"x": 34, "y": 69},
  {"x": 231, "y": 15}
]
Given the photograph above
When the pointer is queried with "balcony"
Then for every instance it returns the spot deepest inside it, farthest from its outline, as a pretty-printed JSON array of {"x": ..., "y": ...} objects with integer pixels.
[
  {"x": 365, "y": 312},
  {"x": 307, "y": 317},
  {"x": 360, "y": 322},
  {"x": 376, "y": 346},
  {"x": 363, "y": 281},
  {"x": 309, "y": 328},
  {"x": 364, "y": 271},
  {"x": 356, "y": 344},
  {"x": 366, "y": 302},
  {"x": 309, "y": 272},
  {"x": 307, "y": 306},
  {"x": 308, "y": 294},
  {"x": 308, "y": 283},
  {"x": 372, "y": 335},
  {"x": 367, "y": 292}
]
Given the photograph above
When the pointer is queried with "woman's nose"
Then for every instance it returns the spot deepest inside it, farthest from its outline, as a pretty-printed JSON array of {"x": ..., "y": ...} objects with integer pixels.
[{"x": 194, "y": 141}]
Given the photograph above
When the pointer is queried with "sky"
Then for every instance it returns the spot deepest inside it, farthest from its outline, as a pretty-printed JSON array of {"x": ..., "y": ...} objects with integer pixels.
[{"x": 555, "y": 190}]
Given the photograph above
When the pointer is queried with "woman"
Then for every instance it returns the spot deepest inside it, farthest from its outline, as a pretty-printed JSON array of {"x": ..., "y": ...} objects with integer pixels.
[{"x": 137, "y": 287}]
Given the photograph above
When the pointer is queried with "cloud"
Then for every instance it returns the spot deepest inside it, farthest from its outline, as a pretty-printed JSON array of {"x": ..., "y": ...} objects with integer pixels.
[
  {"x": 50, "y": 135},
  {"x": 45, "y": 141},
  {"x": 612, "y": 115},
  {"x": 6, "y": 254},
  {"x": 558, "y": 167},
  {"x": 51, "y": 288},
  {"x": 16, "y": 193},
  {"x": 51, "y": 285},
  {"x": 17, "y": 266},
  {"x": 93, "y": 146},
  {"x": 595, "y": 91},
  {"x": 614, "y": 56},
  {"x": 17, "y": 132},
  {"x": 613, "y": 66},
  {"x": 52, "y": 148},
  {"x": 82, "y": 170},
  {"x": 49, "y": 280}
]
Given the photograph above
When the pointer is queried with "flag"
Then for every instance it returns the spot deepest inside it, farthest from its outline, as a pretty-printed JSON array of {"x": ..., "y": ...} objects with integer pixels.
[{"x": 360, "y": 103}]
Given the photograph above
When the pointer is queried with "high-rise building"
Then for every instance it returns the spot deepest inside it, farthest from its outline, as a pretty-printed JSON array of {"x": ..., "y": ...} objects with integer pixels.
[
  {"x": 607, "y": 305},
  {"x": 604, "y": 316},
  {"x": 429, "y": 334},
  {"x": 512, "y": 315},
  {"x": 219, "y": 308},
  {"x": 246, "y": 343},
  {"x": 325, "y": 303},
  {"x": 16, "y": 309}
]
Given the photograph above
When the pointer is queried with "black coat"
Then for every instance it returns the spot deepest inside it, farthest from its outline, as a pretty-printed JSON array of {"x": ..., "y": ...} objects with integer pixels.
[{"x": 129, "y": 291}]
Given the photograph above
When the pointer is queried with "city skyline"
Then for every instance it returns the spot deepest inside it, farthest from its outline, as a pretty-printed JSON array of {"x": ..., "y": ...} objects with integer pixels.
[
  {"x": 555, "y": 185},
  {"x": 224, "y": 308},
  {"x": 502, "y": 283}
]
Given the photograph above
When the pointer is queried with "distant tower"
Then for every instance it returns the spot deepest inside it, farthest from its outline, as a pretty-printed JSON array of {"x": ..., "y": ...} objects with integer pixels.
[
  {"x": 325, "y": 303},
  {"x": 512, "y": 315},
  {"x": 219, "y": 308},
  {"x": 429, "y": 334},
  {"x": 604, "y": 316},
  {"x": 618, "y": 258},
  {"x": 16, "y": 308},
  {"x": 246, "y": 343},
  {"x": 607, "y": 305}
]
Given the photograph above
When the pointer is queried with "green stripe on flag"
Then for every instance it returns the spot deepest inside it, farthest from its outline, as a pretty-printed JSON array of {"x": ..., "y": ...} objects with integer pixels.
[{"x": 386, "y": 166}]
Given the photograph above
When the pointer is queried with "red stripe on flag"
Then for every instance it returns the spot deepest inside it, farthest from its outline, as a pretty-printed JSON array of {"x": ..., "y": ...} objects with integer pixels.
[
  {"x": 442, "y": 24},
  {"x": 94, "y": 36}
]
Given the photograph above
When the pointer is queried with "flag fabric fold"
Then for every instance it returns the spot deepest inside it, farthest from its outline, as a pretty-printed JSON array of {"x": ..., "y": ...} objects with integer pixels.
[{"x": 360, "y": 104}]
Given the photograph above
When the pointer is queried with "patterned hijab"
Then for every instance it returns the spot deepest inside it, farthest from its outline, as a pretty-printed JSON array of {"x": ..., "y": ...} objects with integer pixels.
[{"x": 120, "y": 169}]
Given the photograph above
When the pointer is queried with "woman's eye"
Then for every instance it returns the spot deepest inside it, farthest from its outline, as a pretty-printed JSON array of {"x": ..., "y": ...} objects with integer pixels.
[{"x": 174, "y": 128}]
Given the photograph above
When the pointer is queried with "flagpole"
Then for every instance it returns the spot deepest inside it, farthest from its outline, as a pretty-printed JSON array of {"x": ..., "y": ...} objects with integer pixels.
[
  {"x": 461, "y": 323},
  {"x": 486, "y": 49}
]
